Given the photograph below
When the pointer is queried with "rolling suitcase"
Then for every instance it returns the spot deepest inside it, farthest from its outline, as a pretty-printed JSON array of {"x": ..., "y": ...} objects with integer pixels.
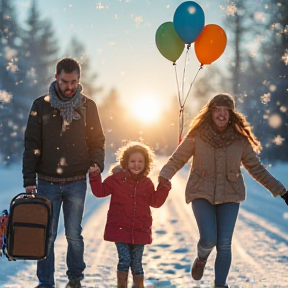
[{"x": 28, "y": 227}]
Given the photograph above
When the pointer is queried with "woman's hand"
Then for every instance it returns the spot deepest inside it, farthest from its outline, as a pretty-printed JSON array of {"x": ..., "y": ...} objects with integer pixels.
[
  {"x": 165, "y": 182},
  {"x": 285, "y": 197}
]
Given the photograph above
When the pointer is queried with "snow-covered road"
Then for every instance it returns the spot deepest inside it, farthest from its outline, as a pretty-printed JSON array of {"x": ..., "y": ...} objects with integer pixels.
[{"x": 260, "y": 243}]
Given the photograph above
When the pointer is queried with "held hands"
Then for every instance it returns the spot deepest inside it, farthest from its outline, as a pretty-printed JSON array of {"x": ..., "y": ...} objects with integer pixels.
[
  {"x": 164, "y": 182},
  {"x": 94, "y": 169},
  {"x": 285, "y": 197}
]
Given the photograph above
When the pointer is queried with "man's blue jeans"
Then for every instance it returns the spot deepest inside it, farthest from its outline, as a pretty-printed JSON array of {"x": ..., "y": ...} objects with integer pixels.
[
  {"x": 72, "y": 195},
  {"x": 216, "y": 225}
]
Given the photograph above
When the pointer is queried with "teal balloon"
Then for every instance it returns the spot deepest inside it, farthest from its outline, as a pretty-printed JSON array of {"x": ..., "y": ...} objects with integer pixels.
[
  {"x": 168, "y": 42},
  {"x": 189, "y": 21}
]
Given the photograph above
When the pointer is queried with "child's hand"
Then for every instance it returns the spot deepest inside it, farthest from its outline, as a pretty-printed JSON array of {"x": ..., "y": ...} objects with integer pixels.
[
  {"x": 94, "y": 176},
  {"x": 164, "y": 182}
]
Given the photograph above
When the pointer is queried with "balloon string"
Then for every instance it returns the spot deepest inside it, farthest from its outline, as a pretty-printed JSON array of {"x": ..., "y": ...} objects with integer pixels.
[
  {"x": 201, "y": 66},
  {"x": 178, "y": 90},
  {"x": 181, "y": 119},
  {"x": 181, "y": 124},
  {"x": 184, "y": 72}
]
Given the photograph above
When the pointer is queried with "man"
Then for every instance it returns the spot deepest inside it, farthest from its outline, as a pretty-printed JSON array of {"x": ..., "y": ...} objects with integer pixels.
[{"x": 63, "y": 140}]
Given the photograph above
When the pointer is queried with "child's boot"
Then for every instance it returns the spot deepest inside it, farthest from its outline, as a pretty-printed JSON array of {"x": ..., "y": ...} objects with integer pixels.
[
  {"x": 122, "y": 277},
  {"x": 138, "y": 281}
]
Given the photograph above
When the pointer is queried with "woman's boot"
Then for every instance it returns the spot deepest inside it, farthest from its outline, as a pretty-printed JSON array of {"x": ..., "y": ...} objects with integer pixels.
[
  {"x": 122, "y": 277},
  {"x": 138, "y": 281}
]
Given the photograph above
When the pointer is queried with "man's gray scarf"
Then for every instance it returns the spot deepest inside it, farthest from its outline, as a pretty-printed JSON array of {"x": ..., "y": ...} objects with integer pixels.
[{"x": 66, "y": 108}]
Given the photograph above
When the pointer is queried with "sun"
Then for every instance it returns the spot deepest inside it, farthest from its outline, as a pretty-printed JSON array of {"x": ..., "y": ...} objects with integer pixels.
[{"x": 146, "y": 109}]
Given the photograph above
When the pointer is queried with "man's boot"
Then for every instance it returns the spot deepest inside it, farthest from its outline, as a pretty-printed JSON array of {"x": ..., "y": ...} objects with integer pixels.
[
  {"x": 122, "y": 277},
  {"x": 138, "y": 281}
]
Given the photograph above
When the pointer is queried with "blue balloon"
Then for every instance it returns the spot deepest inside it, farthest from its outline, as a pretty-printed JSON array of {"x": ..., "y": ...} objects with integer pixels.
[{"x": 189, "y": 21}]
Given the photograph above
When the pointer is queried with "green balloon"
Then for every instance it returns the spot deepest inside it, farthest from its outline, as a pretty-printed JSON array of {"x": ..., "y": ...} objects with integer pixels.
[{"x": 168, "y": 42}]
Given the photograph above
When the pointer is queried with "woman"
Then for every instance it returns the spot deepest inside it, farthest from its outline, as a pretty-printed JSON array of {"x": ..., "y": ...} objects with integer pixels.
[{"x": 220, "y": 140}]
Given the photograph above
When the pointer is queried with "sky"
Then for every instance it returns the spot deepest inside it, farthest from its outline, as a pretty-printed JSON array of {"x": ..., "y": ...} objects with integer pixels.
[{"x": 119, "y": 37}]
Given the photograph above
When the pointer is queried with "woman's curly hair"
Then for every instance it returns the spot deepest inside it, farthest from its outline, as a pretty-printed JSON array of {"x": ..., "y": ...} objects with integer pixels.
[{"x": 124, "y": 152}]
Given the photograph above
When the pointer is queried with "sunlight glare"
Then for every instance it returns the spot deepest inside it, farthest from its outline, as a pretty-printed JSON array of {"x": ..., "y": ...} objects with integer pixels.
[{"x": 146, "y": 109}]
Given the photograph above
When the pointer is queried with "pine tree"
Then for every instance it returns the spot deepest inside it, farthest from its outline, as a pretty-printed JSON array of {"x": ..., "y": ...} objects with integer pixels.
[
  {"x": 27, "y": 57},
  {"x": 39, "y": 55},
  {"x": 275, "y": 80},
  {"x": 9, "y": 79},
  {"x": 260, "y": 77},
  {"x": 8, "y": 48}
]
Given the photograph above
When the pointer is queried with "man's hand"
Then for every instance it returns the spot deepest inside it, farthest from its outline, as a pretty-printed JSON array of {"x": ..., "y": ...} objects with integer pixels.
[
  {"x": 94, "y": 169},
  {"x": 30, "y": 189}
]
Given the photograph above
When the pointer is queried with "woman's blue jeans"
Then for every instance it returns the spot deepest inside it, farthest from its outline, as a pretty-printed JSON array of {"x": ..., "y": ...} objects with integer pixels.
[
  {"x": 72, "y": 195},
  {"x": 216, "y": 225},
  {"x": 130, "y": 255}
]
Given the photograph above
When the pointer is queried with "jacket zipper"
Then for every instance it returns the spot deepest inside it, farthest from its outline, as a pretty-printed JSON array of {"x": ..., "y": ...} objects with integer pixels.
[{"x": 134, "y": 211}]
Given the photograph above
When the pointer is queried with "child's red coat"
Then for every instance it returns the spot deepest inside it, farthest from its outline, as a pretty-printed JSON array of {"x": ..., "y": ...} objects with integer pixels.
[{"x": 129, "y": 217}]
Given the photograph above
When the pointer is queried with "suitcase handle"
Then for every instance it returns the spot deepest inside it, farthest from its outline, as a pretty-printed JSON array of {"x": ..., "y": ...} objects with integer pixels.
[{"x": 25, "y": 195}]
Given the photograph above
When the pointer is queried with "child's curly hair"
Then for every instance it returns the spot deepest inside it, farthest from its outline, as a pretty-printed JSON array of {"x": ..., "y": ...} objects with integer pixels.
[{"x": 124, "y": 152}]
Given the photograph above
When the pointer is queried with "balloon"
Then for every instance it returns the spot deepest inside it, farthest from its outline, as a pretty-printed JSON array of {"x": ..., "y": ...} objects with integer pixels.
[
  {"x": 189, "y": 21},
  {"x": 210, "y": 44},
  {"x": 168, "y": 42}
]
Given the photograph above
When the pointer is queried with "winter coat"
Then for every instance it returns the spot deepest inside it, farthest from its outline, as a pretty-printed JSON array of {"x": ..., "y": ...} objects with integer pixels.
[
  {"x": 129, "y": 217},
  {"x": 61, "y": 155},
  {"x": 215, "y": 172}
]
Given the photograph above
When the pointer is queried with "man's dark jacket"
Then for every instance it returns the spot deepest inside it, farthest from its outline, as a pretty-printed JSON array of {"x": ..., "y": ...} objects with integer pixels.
[{"x": 58, "y": 154}]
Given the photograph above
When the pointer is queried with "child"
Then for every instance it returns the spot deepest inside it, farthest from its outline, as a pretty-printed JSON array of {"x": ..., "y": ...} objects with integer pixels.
[{"x": 129, "y": 218}]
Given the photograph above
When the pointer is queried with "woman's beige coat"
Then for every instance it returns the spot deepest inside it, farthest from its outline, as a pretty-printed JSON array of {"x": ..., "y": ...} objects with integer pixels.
[{"x": 215, "y": 172}]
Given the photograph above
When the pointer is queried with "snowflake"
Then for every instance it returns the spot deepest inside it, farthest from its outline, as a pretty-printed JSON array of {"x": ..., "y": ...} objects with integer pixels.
[
  {"x": 37, "y": 152},
  {"x": 230, "y": 9},
  {"x": 278, "y": 140},
  {"x": 10, "y": 53},
  {"x": 285, "y": 57},
  {"x": 265, "y": 98},
  {"x": 138, "y": 19},
  {"x": 260, "y": 17},
  {"x": 100, "y": 6},
  {"x": 31, "y": 73},
  {"x": 275, "y": 121},
  {"x": 272, "y": 88},
  {"x": 5, "y": 96},
  {"x": 283, "y": 109},
  {"x": 253, "y": 52}
]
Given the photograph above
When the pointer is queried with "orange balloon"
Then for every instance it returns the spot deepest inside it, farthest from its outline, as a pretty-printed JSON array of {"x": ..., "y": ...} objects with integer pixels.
[{"x": 210, "y": 44}]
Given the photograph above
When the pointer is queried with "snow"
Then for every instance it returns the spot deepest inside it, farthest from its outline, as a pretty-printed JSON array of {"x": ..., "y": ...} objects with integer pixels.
[{"x": 260, "y": 243}]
